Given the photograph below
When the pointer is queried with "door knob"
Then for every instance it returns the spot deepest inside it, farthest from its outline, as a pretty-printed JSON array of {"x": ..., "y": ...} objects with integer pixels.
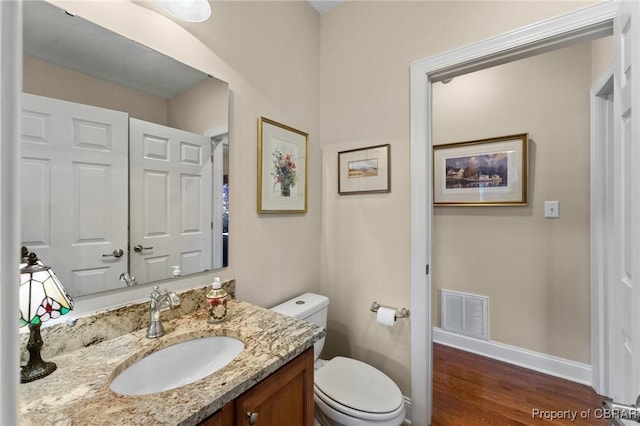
[
  {"x": 139, "y": 248},
  {"x": 253, "y": 417},
  {"x": 115, "y": 253}
]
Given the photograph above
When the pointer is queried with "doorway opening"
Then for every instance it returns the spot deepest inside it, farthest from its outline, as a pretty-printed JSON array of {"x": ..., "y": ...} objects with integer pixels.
[
  {"x": 533, "y": 267},
  {"x": 586, "y": 24}
]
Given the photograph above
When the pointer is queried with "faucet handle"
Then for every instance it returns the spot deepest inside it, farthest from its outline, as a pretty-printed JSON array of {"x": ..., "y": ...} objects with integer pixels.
[
  {"x": 175, "y": 299},
  {"x": 128, "y": 279},
  {"x": 165, "y": 299}
]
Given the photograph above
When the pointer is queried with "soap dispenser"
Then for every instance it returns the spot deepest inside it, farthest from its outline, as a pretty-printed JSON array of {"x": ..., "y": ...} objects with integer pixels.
[
  {"x": 176, "y": 271},
  {"x": 217, "y": 299}
]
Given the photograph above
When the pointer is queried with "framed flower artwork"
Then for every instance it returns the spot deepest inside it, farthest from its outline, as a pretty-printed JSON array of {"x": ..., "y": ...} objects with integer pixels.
[{"x": 282, "y": 168}]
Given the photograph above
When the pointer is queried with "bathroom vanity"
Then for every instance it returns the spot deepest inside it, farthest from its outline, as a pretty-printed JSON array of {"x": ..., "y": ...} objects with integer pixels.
[
  {"x": 285, "y": 398},
  {"x": 270, "y": 378}
]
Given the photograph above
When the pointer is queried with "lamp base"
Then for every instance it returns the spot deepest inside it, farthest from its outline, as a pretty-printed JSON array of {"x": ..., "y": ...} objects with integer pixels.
[
  {"x": 29, "y": 373},
  {"x": 36, "y": 368}
]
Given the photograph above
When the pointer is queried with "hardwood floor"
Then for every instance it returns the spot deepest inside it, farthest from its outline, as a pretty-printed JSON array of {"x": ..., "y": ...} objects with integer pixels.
[{"x": 471, "y": 390}]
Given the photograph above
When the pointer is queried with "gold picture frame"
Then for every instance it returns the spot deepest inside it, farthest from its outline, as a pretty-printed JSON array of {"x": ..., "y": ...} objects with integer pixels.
[
  {"x": 485, "y": 172},
  {"x": 364, "y": 170},
  {"x": 282, "y": 168}
]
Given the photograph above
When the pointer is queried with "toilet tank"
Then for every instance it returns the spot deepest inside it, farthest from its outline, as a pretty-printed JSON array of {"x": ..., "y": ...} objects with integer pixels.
[{"x": 309, "y": 307}]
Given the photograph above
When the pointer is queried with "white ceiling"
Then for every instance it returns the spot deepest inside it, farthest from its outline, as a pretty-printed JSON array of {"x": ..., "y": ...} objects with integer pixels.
[{"x": 323, "y": 6}]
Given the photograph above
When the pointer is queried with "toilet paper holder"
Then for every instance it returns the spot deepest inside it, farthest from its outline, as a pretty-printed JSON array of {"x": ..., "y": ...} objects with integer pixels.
[{"x": 402, "y": 313}]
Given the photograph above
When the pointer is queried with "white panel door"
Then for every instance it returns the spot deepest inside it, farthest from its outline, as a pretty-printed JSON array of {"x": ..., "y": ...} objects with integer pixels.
[
  {"x": 626, "y": 268},
  {"x": 170, "y": 201},
  {"x": 74, "y": 190}
]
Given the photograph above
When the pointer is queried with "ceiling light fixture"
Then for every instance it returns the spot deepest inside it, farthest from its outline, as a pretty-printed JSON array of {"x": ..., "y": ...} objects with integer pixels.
[{"x": 187, "y": 10}]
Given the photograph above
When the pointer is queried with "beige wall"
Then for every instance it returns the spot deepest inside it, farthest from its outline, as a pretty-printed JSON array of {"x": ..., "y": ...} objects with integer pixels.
[
  {"x": 44, "y": 79},
  {"x": 273, "y": 49},
  {"x": 535, "y": 271},
  {"x": 367, "y": 48},
  {"x": 602, "y": 54},
  {"x": 200, "y": 108}
]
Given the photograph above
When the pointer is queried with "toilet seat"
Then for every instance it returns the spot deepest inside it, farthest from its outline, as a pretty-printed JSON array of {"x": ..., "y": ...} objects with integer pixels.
[
  {"x": 358, "y": 390},
  {"x": 346, "y": 412}
]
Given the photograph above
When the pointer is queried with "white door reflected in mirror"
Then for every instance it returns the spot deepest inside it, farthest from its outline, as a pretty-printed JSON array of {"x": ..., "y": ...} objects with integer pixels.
[{"x": 69, "y": 59}]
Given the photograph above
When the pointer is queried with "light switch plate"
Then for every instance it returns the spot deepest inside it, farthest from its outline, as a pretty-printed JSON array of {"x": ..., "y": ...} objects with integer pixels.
[{"x": 551, "y": 209}]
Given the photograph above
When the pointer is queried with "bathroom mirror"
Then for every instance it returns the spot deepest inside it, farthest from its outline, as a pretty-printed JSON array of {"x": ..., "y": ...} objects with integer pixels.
[{"x": 124, "y": 157}]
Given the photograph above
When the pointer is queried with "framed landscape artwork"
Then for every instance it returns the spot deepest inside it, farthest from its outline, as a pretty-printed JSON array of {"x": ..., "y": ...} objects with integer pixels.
[
  {"x": 485, "y": 172},
  {"x": 364, "y": 170},
  {"x": 282, "y": 168}
]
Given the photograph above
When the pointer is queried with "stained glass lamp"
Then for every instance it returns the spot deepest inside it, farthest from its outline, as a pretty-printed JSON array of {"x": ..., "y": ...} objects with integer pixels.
[{"x": 42, "y": 297}]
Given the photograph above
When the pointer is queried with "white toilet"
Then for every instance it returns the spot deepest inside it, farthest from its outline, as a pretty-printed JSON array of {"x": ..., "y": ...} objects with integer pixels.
[{"x": 347, "y": 392}]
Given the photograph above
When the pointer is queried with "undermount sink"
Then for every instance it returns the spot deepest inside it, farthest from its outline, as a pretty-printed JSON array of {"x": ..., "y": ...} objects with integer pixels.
[{"x": 177, "y": 365}]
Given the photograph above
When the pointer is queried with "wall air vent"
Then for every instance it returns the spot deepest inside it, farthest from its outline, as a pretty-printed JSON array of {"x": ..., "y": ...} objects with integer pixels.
[{"x": 465, "y": 313}]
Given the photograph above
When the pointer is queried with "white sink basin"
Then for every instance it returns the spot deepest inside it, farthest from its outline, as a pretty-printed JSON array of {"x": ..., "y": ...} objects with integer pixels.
[{"x": 177, "y": 365}]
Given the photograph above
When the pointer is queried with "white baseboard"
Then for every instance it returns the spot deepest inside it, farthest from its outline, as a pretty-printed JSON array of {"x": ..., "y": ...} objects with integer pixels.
[{"x": 543, "y": 363}]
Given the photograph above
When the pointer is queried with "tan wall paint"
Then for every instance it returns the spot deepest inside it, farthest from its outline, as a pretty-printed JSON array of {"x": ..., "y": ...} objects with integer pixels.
[
  {"x": 535, "y": 271},
  {"x": 196, "y": 110},
  {"x": 44, "y": 79},
  {"x": 200, "y": 108},
  {"x": 365, "y": 257},
  {"x": 602, "y": 54},
  {"x": 367, "y": 48},
  {"x": 269, "y": 53}
]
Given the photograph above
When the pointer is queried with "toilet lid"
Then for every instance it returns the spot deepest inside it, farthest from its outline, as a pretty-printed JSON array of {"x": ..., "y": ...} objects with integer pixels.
[{"x": 357, "y": 385}]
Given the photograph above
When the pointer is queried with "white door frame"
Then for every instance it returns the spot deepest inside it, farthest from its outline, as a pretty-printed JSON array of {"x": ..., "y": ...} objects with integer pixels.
[
  {"x": 10, "y": 92},
  {"x": 585, "y": 24},
  {"x": 219, "y": 136},
  {"x": 601, "y": 95}
]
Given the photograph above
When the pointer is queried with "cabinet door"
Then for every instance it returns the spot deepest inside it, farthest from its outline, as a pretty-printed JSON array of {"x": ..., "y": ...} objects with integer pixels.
[
  {"x": 283, "y": 399},
  {"x": 223, "y": 417}
]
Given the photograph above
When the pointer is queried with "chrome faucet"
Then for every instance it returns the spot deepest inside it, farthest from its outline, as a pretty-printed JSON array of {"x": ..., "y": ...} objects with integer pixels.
[
  {"x": 160, "y": 301},
  {"x": 128, "y": 279}
]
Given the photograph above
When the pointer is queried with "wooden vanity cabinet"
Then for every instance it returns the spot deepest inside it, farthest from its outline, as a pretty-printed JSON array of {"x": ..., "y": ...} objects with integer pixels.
[
  {"x": 224, "y": 417},
  {"x": 285, "y": 398}
]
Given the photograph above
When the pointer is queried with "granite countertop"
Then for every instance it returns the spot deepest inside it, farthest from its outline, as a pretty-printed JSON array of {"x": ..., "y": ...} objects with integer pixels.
[{"x": 78, "y": 392}]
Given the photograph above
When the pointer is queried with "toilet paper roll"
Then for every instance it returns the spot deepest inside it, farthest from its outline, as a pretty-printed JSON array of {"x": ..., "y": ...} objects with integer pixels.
[{"x": 386, "y": 316}]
